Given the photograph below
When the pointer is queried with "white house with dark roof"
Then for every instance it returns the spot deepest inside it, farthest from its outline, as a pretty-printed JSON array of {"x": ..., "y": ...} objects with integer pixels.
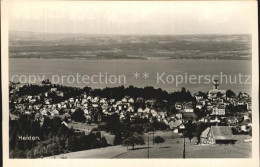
[
  {"x": 188, "y": 107},
  {"x": 218, "y": 110},
  {"x": 178, "y": 106}
]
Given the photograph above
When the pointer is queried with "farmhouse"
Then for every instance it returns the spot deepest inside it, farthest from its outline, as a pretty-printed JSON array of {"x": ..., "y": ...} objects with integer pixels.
[{"x": 217, "y": 135}]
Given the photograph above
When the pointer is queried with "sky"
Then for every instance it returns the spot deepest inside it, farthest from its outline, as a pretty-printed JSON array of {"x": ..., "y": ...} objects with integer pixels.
[{"x": 136, "y": 17}]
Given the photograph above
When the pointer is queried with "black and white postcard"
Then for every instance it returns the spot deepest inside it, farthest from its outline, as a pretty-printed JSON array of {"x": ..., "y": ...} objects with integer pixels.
[{"x": 145, "y": 83}]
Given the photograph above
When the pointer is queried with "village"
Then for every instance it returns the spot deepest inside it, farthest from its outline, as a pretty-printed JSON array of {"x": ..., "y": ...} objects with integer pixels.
[{"x": 223, "y": 113}]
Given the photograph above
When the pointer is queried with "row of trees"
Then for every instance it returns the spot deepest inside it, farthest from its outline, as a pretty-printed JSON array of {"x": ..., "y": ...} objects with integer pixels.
[{"x": 111, "y": 93}]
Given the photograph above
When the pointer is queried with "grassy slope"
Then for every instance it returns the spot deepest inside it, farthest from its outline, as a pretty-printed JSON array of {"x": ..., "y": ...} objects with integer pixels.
[{"x": 172, "y": 148}]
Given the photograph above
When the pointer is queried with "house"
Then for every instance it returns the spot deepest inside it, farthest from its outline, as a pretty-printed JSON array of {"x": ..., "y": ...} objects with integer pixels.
[
  {"x": 139, "y": 100},
  {"x": 121, "y": 117},
  {"x": 53, "y": 89},
  {"x": 209, "y": 107},
  {"x": 199, "y": 106},
  {"x": 119, "y": 103},
  {"x": 44, "y": 112},
  {"x": 89, "y": 98},
  {"x": 64, "y": 123},
  {"x": 218, "y": 100},
  {"x": 240, "y": 103},
  {"x": 174, "y": 124},
  {"x": 218, "y": 110},
  {"x": 130, "y": 109},
  {"x": 29, "y": 97},
  {"x": 243, "y": 95},
  {"x": 86, "y": 111},
  {"x": 245, "y": 126},
  {"x": 188, "y": 107},
  {"x": 179, "y": 115},
  {"x": 178, "y": 106},
  {"x": 71, "y": 100},
  {"x": 149, "y": 103},
  {"x": 162, "y": 114},
  {"x": 154, "y": 113},
  {"x": 47, "y": 101},
  {"x": 95, "y": 100},
  {"x": 232, "y": 121},
  {"x": 204, "y": 119},
  {"x": 214, "y": 120},
  {"x": 131, "y": 100},
  {"x": 95, "y": 105},
  {"x": 32, "y": 100},
  {"x": 147, "y": 110},
  {"x": 217, "y": 135},
  {"x": 60, "y": 93},
  {"x": 13, "y": 117},
  {"x": 198, "y": 96},
  {"x": 55, "y": 112},
  {"x": 125, "y": 100},
  {"x": 112, "y": 101},
  {"x": 104, "y": 106},
  {"x": 249, "y": 105},
  {"x": 140, "y": 110},
  {"x": 246, "y": 117},
  {"x": 203, "y": 101},
  {"x": 36, "y": 107},
  {"x": 103, "y": 100},
  {"x": 84, "y": 101},
  {"x": 119, "y": 107},
  {"x": 181, "y": 128}
]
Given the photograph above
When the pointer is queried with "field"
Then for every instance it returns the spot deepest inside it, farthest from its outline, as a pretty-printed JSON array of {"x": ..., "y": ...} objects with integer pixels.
[
  {"x": 172, "y": 148},
  {"x": 83, "y": 46}
]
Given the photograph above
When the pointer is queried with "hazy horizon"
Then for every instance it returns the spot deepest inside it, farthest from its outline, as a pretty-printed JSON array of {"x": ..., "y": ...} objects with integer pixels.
[
  {"x": 83, "y": 33},
  {"x": 132, "y": 18}
]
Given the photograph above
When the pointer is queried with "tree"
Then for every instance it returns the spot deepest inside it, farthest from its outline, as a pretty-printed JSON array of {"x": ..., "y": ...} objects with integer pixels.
[
  {"x": 78, "y": 115},
  {"x": 118, "y": 138},
  {"x": 189, "y": 130},
  {"x": 103, "y": 142},
  {"x": 158, "y": 140},
  {"x": 199, "y": 113},
  {"x": 219, "y": 94},
  {"x": 201, "y": 126},
  {"x": 230, "y": 94},
  {"x": 113, "y": 123},
  {"x": 133, "y": 140}
]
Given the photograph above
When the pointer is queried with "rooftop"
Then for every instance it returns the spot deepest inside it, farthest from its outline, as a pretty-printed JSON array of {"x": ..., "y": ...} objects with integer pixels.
[{"x": 222, "y": 132}]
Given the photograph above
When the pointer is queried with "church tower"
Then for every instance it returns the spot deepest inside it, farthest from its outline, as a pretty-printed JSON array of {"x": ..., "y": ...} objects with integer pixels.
[{"x": 215, "y": 85}]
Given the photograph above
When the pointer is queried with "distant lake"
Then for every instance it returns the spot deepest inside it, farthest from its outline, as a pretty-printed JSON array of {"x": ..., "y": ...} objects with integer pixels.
[{"x": 166, "y": 69}]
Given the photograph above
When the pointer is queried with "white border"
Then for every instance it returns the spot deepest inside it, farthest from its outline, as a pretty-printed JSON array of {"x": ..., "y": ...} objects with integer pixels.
[{"x": 254, "y": 161}]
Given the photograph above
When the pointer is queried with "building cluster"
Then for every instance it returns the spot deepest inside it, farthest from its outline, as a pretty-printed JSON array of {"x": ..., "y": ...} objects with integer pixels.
[{"x": 212, "y": 106}]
